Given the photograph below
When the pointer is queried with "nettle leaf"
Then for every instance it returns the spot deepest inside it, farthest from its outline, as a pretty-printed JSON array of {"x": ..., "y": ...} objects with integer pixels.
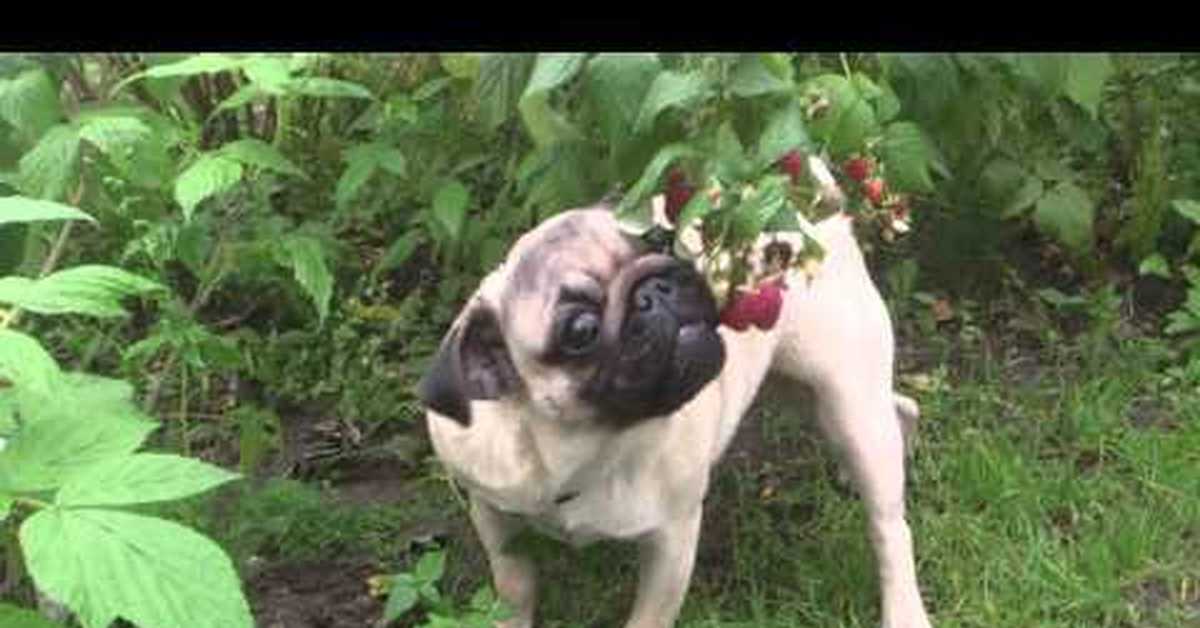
[
  {"x": 362, "y": 161},
  {"x": 307, "y": 259},
  {"x": 617, "y": 84},
  {"x": 1065, "y": 213},
  {"x": 498, "y": 88},
  {"x": 757, "y": 74},
  {"x": 322, "y": 87},
  {"x": 29, "y": 102},
  {"x": 785, "y": 131},
  {"x": 550, "y": 70},
  {"x": 257, "y": 153},
  {"x": 26, "y": 364},
  {"x": 139, "y": 479},
  {"x": 25, "y": 209},
  {"x": 17, "y": 617},
  {"x": 1086, "y": 75},
  {"x": 450, "y": 204},
  {"x": 1188, "y": 209},
  {"x": 669, "y": 90},
  {"x": 90, "y": 289},
  {"x": 907, "y": 157},
  {"x": 51, "y": 166},
  {"x": 211, "y": 174},
  {"x": 105, "y": 564}
]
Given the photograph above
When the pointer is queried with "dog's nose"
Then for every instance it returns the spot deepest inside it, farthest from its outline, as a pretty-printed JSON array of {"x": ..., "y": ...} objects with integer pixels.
[{"x": 651, "y": 290}]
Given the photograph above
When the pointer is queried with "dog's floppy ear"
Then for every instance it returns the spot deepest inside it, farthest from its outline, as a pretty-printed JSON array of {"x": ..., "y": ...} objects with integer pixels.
[{"x": 472, "y": 363}]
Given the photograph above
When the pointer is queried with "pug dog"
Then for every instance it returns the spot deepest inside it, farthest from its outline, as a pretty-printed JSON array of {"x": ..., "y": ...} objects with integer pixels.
[{"x": 587, "y": 388}]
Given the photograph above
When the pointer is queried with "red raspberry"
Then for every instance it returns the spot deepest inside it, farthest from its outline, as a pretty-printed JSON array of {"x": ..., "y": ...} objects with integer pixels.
[
  {"x": 737, "y": 313},
  {"x": 793, "y": 164},
  {"x": 873, "y": 188},
  {"x": 858, "y": 168},
  {"x": 679, "y": 192},
  {"x": 760, "y": 308}
]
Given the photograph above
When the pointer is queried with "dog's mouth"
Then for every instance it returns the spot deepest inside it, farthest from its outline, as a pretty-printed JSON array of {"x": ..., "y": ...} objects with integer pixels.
[{"x": 664, "y": 348}]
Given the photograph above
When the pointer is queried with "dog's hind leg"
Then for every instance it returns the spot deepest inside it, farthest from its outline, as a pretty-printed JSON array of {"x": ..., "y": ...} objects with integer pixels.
[{"x": 515, "y": 576}]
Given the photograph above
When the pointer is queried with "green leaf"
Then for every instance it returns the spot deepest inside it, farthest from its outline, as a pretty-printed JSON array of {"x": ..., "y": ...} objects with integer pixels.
[
  {"x": 257, "y": 153},
  {"x": 268, "y": 75},
  {"x": 502, "y": 77},
  {"x": 244, "y": 95},
  {"x": 29, "y": 102},
  {"x": 887, "y": 105},
  {"x": 17, "y": 617},
  {"x": 1188, "y": 209},
  {"x": 460, "y": 65},
  {"x": 91, "y": 289},
  {"x": 191, "y": 66},
  {"x": 322, "y": 87},
  {"x": 906, "y": 155},
  {"x": 633, "y": 214},
  {"x": 1155, "y": 265},
  {"x": 1065, "y": 213},
  {"x": 450, "y": 204},
  {"x": 115, "y": 135},
  {"x": 671, "y": 90},
  {"x": 399, "y": 251},
  {"x": 545, "y": 125},
  {"x": 758, "y": 208},
  {"x": 24, "y": 209},
  {"x": 1056, "y": 298},
  {"x": 104, "y": 564},
  {"x": 312, "y": 273},
  {"x": 849, "y": 118},
  {"x": 731, "y": 162},
  {"x": 402, "y": 597},
  {"x": 361, "y": 162},
  {"x": 1047, "y": 71},
  {"x": 755, "y": 75},
  {"x": 51, "y": 166},
  {"x": 45, "y": 451},
  {"x": 1085, "y": 79},
  {"x": 211, "y": 174},
  {"x": 430, "y": 568},
  {"x": 6, "y": 503},
  {"x": 139, "y": 479},
  {"x": 784, "y": 132},
  {"x": 26, "y": 364},
  {"x": 617, "y": 84}
]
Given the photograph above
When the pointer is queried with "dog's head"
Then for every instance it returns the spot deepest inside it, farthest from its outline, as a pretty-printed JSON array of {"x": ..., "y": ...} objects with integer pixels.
[{"x": 581, "y": 323}]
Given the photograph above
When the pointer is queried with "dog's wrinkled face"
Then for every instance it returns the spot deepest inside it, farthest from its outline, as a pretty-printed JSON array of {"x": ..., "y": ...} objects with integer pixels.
[{"x": 581, "y": 323}]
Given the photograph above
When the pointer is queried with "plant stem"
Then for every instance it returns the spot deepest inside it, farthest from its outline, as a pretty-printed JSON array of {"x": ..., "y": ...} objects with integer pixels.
[{"x": 845, "y": 64}]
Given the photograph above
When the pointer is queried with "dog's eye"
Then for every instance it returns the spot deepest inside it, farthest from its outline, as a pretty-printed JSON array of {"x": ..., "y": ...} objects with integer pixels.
[{"x": 578, "y": 332}]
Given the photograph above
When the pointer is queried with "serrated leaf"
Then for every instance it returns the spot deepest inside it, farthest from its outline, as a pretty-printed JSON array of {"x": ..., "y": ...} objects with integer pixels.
[
  {"x": 26, "y": 364},
  {"x": 502, "y": 77},
  {"x": 17, "y": 617},
  {"x": 244, "y": 95},
  {"x": 210, "y": 175},
  {"x": 906, "y": 155},
  {"x": 104, "y": 564},
  {"x": 268, "y": 75},
  {"x": 617, "y": 84},
  {"x": 784, "y": 132},
  {"x": 307, "y": 259},
  {"x": 1155, "y": 265},
  {"x": 14, "y": 209},
  {"x": 399, "y": 251},
  {"x": 46, "y": 450},
  {"x": 759, "y": 207},
  {"x": 545, "y": 125},
  {"x": 1065, "y": 213},
  {"x": 847, "y": 121},
  {"x": 139, "y": 479},
  {"x": 29, "y": 102},
  {"x": 257, "y": 153},
  {"x": 731, "y": 162},
  {"x": 402, "y": 597},
  {"x": 671, "y": 90},
  {"x": 887, "y": 105},
  {"x": 361, "y": 162},
  {"x": 210, "y": 63},
  {"x": 753, "y": 75},
  {"x": 115, "y": 136},
  {"x": 430, "y": 567},
  {"x": 51, "y": 166},
  {"x": 1024, "y": 197},
  {"x": 90, "y": 289},
  {"x": 450, "y": 204},
  {"x": 1188, "y": 209},
  {"x": 322, "y": 87},
  {"x": 1085, "y": 79},
  {"x": 631, "y": 211}
]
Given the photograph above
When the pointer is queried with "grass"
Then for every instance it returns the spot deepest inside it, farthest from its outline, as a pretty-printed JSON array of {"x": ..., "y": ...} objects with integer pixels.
[{"x": 1067, "y": 498}]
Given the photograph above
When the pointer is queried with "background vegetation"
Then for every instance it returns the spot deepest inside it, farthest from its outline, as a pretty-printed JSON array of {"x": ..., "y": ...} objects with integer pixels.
[{"x": 241, "y": 263}]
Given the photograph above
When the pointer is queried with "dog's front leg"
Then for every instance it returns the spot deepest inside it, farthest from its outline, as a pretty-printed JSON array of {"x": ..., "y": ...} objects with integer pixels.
[
  {"x": 667, "y": 556},
  {"x": 515, "y": 576}
]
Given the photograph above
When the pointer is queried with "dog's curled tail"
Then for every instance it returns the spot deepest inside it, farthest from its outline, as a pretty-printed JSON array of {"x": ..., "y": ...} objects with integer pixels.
[{"x": 908, "y": 412}]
